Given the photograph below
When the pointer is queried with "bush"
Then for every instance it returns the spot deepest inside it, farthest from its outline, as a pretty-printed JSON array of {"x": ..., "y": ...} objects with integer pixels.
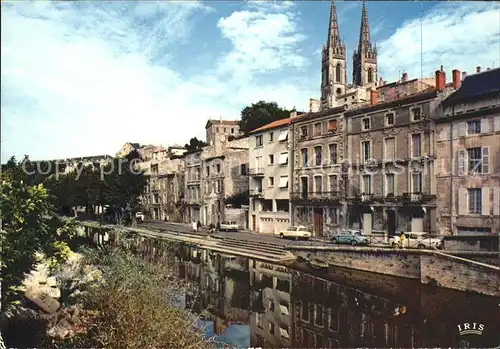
[{"x": 133, "y": 305}]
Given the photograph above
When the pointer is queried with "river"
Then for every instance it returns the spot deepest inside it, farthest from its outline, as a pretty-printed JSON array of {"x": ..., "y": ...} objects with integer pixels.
[{"x": 248, "y": 303}]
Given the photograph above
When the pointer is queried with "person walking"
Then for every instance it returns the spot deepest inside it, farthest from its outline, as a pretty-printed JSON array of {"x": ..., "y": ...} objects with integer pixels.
[
  {"x": 218, "y": 225},
  {"x": 402, "y": 238},
  {"x": 194, "y": 225}
]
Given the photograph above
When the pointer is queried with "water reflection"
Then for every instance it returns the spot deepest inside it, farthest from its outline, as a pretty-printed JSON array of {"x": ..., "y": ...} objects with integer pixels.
[{"x": 258, "y": 304}]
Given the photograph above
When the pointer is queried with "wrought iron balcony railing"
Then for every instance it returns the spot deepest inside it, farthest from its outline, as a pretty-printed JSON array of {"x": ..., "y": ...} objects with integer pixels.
[
  {"x": 256, "y": 171},
  {"x": 315, "y": 195}
]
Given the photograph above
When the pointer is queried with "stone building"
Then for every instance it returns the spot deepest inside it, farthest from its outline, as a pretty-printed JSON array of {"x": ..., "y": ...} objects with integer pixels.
[
  {"x": 193, "y": 188},
  {"x": 126, "y": 149},
  {"x": 71, "y": 164},
  {"x": 223, "y": 175},
  {"x": 317, "y": 155},
  {"x": 390, "y": 149},
  {"x": 269, "y": 177},
  {"x": 215, "y": 128},
  {"x": 468, "y": 151}
]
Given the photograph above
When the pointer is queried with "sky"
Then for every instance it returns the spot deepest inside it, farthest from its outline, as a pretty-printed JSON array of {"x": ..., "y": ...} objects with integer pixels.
[{"x": 83, "y": 78}]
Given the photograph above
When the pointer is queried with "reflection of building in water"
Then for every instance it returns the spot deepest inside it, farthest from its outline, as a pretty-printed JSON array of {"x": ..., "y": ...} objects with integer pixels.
[
  {"x": 271, "y": 321},
  {"x": 327, "y": 315}
]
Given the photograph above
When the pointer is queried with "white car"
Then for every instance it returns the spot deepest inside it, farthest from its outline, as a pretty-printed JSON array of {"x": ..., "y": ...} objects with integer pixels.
[
  {"x": 296, "y": 232},
  {"x": 420, "y": 240},
  {"x": 228, "y": 226},
  {"x": 139, "y": 217}
]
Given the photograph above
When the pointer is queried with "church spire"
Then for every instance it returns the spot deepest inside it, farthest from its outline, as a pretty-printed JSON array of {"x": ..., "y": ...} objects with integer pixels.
[
  {"x": 333, "y": 29},
  {"x": 364, "y": 33}
]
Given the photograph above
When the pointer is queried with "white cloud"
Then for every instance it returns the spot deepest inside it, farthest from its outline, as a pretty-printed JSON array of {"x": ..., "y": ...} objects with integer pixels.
[
  {"x": 83, "y": 78},
  {"x": 458, "y": 35}
]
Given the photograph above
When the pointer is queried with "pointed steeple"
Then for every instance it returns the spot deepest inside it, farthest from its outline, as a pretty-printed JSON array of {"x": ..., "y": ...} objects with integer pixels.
[
  {"x": 364, "y": 32},
  {"x": 333, "y": 29}
]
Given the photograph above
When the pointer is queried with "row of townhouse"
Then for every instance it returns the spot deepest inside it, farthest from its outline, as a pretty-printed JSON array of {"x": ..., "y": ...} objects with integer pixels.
[
  {"x": 216, "y": 176},
  {"x": 415, "y": 157}
]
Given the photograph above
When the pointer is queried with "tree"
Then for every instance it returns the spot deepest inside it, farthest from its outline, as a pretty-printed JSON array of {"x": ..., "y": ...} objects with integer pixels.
[
  {"x": 30, "y": 226},
  {"x": 195, "y": 144},
  {"x": 260, "y": 114}
]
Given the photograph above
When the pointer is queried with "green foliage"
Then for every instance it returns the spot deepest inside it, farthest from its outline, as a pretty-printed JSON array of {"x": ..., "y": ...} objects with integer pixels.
[
  {"x": 30, "y": 228},
  {"x": 195, "y": 144},
  {"x": 238, "y": 199},
  {"x": 260, "y": 114},
  {"x": 132, "y": 306}
]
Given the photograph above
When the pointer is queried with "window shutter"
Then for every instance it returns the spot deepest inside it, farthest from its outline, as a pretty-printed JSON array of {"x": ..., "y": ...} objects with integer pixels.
[
  {"x": 485, "y": 198},
  {"x": 485, "y": 163},
  {"x": 496, "y": 201},
  {"x": 497, "y": 123},
  {"x": 462, "y": 201},
  {"x": 462, "y": 129},
  {"x": 461, "y": 162},
  {"x": 455, "y": 131},
  {"x": 485, "y": 125}
]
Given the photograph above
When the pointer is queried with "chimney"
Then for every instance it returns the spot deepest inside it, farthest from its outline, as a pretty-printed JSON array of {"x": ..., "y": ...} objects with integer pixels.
[
  {"x": 293, "y": 113},
  {"x": 440, "y": 79},
  {"x": 404, "y": 78},
  {"x": 456, "y": 78},
  {"x": 373, "y": 97},
  {"x": 464, "y": 74},
  {"x": 380, "y": 81},
  {"x": 478, "y": 69},
  {"x": 313, "y": 105}
]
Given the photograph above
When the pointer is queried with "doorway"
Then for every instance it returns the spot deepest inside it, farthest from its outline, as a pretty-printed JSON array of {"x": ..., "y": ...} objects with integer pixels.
[
  {"x": 391, "y": 222},
  {"x": 254, "y": 218},
  {"x": 318, "y": 221}
]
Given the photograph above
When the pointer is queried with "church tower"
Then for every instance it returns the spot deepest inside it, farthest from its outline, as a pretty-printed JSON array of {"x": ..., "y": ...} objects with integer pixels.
[
  {"x": 333, "y": 64},
  {"x": 365, "y": 58}
]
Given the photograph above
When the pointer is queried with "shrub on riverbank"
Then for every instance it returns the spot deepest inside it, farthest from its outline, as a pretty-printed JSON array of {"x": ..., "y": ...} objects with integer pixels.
[{"x": 132, "y": 305}]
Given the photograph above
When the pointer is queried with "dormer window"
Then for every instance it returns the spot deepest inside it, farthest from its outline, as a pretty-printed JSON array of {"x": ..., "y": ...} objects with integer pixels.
[
  {"x": 366, "y": 124},
  {"x": 389, "y": 119},
  {"x": 416, "y": 114}
]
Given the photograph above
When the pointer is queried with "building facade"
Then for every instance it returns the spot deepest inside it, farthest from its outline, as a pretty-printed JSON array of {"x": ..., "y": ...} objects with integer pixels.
[
  {"x": 468, "y": 151},
  {"x": 317, "y": 172},
  {"x": 193, "y": 188},
  {"x": 390, "y": 148},
  {"x": 269, "y": 209},
  {"x": 214, "y": 128}
]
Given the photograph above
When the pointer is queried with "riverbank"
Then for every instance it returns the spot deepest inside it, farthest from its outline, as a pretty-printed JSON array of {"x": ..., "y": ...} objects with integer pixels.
[{"x": 429, "y": 266}]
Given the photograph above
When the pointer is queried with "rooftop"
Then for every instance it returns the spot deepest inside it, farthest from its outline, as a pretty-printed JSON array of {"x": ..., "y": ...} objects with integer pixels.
[
  {"x": 220, "y": 122},
  {"x": 476, "y": 85},
  {"x": 274, "y": 124}
]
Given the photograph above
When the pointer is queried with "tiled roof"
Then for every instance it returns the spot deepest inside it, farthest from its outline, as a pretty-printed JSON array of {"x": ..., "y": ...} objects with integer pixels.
[
  {"x": 476, "y": 85},
  {"x": 272, "y": 125}
]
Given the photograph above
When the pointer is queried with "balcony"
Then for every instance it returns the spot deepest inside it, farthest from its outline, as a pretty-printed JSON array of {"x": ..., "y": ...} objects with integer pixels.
[
  {"x": 366, "y": 197},
  {"x": 322, "y": 196},
  {"x": 256, "y": 172},
  {"x": 256, "y": 192},
  {"x": 193, "y": 180}
]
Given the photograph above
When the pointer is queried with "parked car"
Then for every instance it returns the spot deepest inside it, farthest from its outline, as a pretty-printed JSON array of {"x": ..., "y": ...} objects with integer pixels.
[
  {"x": 228, "y": 226},
  {"x": 296, "y": 232},
  {"x": 416, "y": 240},
  {"x": 139, "y": 217},
  {"x": 351, "y": 237}
]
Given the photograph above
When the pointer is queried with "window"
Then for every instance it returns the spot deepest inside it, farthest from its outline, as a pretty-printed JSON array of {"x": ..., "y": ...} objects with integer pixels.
[
  {"x": 303, "y": 132},
  {"x": 333, "y": 153},
  {"x": 318, "y": 155},
  {"x": 338, "y": 72},
  {"x": 283, "y": 136},
  {"x": 367, "y": 184},
  {"x": 475, "y": 200},
  {"x": 208, "y": 171},
  {"x": 389, "y": 119},
  {"x": 416, "y": 145},
  {"x": 304, "y": 156},
  {"x": 332, "y": 125},
  {"x": 225, "y": 130},
  {"x": 271, "y": 137},
  {"x": 366, "y": 124},
  {"x": 416, "y": 182},
  {"x": 243, "y": 169},
  {"x": 259, "y": 319},
  {"x": 271, "y": 159},
  {"x": 217, "y": 129},
  {"x": 474, "y": 155},
  {"x": 370, "y": 74},
  {"x": 271, "y": 328},
  {"x": 218, "y": 186},
  {"x": 232, "y": 130},
  {"x": 317, "y": 129},
  {"x": 389, "y": 184},
  {"x": 333, "y": 214},
  {"x": 416, "y": 114},
  {"x": 258, "y": 141},
  {"x": 283, "y": 182},
  {"x": 283, "y": 160},
  {"x": 473, "y": 127},
  {"x": 333, "y": 183},
  {"x": 271, "y": 181},
  {"x": 389, "y": 148},
  {"x": 318, "y": 316},
  {"x": 271, "y": 306},
  {"x": 366, "y": 151},
  {"x": 318, "y": 184},
  {"x": 217, "y": 169}
]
